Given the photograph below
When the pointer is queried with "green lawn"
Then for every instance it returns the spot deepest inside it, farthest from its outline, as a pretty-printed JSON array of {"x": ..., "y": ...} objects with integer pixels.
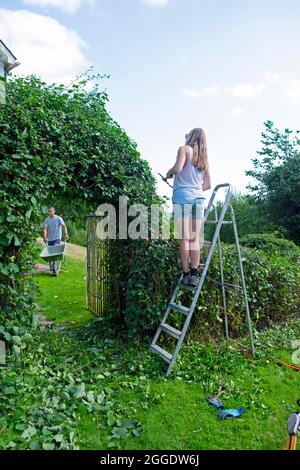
[
  {"x": 139, "y": 407},
  {"x": 62, "y": 298}
]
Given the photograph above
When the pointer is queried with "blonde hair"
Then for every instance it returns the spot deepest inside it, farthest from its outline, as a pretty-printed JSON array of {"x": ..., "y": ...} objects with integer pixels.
[{"x": 197, "y": 140}]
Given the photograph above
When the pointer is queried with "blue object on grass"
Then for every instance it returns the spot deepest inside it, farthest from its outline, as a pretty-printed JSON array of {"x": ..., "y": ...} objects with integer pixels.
[
  {"x": 215, "y": 402},
  {"x": 234, "y": 413}
]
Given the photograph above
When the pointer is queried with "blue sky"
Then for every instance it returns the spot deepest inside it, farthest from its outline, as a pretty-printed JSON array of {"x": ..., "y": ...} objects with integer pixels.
[{"x": 174, "y": 65}]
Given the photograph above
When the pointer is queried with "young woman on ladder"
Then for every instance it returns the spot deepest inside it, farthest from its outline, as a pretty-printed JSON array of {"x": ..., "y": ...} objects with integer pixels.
[{"x": 192, "y": 178}]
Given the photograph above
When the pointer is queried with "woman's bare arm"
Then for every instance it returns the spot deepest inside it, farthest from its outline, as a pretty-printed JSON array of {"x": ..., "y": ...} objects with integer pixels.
[
  {"x": 180, "y": 161},
  {"x": 206, "y": 181}
]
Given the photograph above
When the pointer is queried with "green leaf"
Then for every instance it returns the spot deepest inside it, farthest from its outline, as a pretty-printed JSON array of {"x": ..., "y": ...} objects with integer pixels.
[
  {"x": 27, "y": 338},
  {"x": 35, "y": 445},
  {"x": 100, "y": 397},
  {"x": 16, "y": 350},
  {"x": 7, "y": 336},
  {"x": 20, "y": 426},
  {"x": 90, "y": 396},
  {"x": 11, "y": 445},
  {"x": 79, "y": 390},
  {"x": 48, "y": 446},
  {"x": 9, "y": 390},
  {"x": 110, "y": 418},
  {"x": 16, "y": 241},
  {"x": 16, "y": 340},
  {"x": 28, "y": 433},
  {"x": 28, "y": 214},
  {"x": 59, "y": 438},
  {"x": 120, "y": 433}
]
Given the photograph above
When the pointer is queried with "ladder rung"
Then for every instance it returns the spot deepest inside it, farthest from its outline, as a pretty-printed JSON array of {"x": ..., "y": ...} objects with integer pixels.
[
  {"x": 225, "y": 284},
  {"x": 232, "y": 286},
  {"x": 206, "y": 244},
  {"x": 170, "y": 330},
  {"x": 163, "y": 354},
  {"x": 216, "y": 221},
  {"x": 187, "y": 287},
  {"x": 180, "y": 308}
]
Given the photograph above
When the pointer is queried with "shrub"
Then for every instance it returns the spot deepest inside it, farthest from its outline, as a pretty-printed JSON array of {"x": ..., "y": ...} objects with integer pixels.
[
  {"x": 79, "y": 237},
  {"x": 145, "y": 273},
  {"x": 272, "y": 242},
  {"x": 77, "y": 234}
]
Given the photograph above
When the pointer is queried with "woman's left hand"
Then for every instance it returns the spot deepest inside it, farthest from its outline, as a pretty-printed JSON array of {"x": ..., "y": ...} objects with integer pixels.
[{"x": 169, "y": 175}]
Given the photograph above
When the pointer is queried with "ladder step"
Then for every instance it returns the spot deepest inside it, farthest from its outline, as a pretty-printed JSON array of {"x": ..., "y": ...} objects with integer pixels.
[
  {"x": 191, "y": 288},
  {"x": 163, "y": 354},
  {"x": 180, "y": 308},
  {"x": 186, "y": 287},
  {"x": 170, "y": 330}
]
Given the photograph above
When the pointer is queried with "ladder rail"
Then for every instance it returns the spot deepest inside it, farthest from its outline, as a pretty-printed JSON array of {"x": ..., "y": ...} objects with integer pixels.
[
  {"x": 213, "y": 195},
  {"x": 248, "y": 317},
  {"x": 172, "y": 300},
  {"x": 222, "y": 281}
]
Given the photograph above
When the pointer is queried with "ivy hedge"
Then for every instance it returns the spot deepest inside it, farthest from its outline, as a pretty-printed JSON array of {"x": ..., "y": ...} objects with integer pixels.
[
  {"x": 56, "y": 142},
  {"x": 144, "y": 279}
]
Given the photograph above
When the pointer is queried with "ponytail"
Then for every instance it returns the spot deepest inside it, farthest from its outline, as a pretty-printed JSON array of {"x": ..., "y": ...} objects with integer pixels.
[{"x": 198, "y": 142}]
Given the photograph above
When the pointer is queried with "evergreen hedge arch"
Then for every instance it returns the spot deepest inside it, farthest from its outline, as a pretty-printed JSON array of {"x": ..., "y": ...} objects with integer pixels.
[{"x": 56, "y": 141}]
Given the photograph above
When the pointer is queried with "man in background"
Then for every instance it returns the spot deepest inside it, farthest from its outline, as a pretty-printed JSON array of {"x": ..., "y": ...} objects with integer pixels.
[{"x": 53, "y": 226}]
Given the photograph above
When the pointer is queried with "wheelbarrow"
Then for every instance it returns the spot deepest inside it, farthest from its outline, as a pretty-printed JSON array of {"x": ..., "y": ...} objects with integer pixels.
[{"x": 54, "y": 255}]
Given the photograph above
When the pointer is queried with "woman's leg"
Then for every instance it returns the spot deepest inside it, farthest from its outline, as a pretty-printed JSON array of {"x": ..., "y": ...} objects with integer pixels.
[
  {"x": 194, "y": 245},
  {"x": 182, "y": 227},
  {"x": 196, "y": 232}
]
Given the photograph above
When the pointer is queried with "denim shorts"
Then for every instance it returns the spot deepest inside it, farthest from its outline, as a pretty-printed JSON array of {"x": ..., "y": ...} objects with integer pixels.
[
  {"x": 54, "y": 242},
  {"x": 194, "y": 209}
]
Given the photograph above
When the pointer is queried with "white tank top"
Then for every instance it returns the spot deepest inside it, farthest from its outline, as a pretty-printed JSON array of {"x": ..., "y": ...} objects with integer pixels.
[{"x": 188, "y": 183}]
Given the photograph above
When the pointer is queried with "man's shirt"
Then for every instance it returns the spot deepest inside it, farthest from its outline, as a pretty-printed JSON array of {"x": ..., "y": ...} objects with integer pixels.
[{"x": 53, "y": 225}]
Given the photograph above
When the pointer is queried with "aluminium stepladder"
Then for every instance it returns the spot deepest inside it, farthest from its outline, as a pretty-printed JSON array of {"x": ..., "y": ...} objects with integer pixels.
[{"x": 188, "y": 311}]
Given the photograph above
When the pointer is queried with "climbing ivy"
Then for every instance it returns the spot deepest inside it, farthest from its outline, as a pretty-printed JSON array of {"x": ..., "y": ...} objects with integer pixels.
[{"x": 56, "y": 141}]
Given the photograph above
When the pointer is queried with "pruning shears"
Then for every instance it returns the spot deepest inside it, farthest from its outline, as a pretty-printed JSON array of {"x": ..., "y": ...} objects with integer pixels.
[{"x": 165, "y": 180}]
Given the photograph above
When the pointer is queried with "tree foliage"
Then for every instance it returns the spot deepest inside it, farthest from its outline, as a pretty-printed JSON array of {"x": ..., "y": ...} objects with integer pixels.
[{"x": 277, "y": 174}]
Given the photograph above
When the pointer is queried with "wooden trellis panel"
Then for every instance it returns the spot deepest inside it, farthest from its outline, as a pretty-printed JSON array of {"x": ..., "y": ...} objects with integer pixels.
[{"x": 97, "y": 269}]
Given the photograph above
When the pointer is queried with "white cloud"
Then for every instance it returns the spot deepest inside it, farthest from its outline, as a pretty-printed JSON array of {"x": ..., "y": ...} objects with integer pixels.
[
  {"x": 43, "y": 45},
  {"x": 237, "y": 111},
  {"x": 156, "y": 3},
  {"x": 292, "y": 90},
  {"x": 246, "y": 91},
  {"x": 273, "y": 76},
  {"x": 69, "y": 6},
  {"x": 208, "y": 91}
]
